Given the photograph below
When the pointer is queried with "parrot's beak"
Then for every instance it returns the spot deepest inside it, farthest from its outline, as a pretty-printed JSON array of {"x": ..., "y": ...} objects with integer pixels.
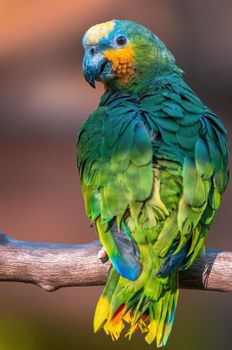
[{"x": 96, "y": 67}]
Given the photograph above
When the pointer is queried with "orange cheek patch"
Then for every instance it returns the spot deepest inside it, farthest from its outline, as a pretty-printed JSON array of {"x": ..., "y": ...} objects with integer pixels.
[{"x": 122, "y": 62}]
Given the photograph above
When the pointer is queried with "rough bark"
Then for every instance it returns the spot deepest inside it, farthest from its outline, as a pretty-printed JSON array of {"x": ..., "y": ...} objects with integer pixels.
[{"x": 52, "y": 266}]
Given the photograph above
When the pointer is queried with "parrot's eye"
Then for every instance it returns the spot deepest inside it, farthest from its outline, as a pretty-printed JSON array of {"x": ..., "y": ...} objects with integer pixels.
[
  {"x": 121, "y": 40},
  {"x": 93, "y": 50}
]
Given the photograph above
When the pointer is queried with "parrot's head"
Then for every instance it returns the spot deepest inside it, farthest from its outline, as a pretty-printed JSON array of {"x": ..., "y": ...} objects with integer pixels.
[{"x": 121, "y": 53}]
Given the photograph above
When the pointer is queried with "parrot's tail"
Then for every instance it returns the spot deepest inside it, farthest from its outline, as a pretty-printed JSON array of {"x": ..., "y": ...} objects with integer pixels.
[{"x": 145, "y": 305}]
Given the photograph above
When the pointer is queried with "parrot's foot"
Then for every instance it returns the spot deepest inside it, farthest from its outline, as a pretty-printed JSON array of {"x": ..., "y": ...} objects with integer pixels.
[
  {"x": 102, "y": 255},
  {"x": 153, "y": 136}
]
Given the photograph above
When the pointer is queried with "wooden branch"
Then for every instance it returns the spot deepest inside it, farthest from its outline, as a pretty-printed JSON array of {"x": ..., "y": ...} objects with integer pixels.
[{"x": 52, "y": 266}]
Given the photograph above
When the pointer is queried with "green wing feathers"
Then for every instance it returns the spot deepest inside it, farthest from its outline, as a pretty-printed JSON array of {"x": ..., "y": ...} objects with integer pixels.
[{"x": 153, "y": 169}]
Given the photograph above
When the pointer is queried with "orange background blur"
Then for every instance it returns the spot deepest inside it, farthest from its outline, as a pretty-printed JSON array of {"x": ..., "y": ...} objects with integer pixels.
[{"x": 43, "y": 100}]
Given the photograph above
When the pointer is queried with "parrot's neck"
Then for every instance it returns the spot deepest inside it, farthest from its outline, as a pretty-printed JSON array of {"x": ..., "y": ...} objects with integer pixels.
[{"x": 143, "y": 79}]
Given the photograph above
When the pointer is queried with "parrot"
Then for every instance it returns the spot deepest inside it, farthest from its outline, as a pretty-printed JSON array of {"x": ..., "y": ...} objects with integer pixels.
[{"x": 153, "y": 166}]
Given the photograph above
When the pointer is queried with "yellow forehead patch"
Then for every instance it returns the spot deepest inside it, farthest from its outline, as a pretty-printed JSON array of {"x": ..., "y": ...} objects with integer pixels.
[
  {"x": 122, "y": 62},
  {"x": 99, "y": 31}
]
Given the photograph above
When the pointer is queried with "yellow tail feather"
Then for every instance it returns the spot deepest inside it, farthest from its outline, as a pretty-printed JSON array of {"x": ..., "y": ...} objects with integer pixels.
[{"x": 152, "y": 315}]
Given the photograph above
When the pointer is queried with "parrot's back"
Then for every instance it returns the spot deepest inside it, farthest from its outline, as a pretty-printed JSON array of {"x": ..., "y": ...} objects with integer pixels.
[{"x": 153, "y": 167}]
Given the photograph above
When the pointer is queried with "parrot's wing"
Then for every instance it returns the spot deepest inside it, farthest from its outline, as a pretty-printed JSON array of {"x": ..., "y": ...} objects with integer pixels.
[
  {"x": 205, "y": 177},
  {"x": 191, "y": 166},
  {"x": 160, "y": 158},
  {"x": 115, "y": 162}
]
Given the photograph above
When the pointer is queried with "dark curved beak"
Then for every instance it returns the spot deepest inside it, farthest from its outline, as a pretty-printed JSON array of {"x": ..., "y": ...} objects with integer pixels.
[{"x": 93, "y": 66}]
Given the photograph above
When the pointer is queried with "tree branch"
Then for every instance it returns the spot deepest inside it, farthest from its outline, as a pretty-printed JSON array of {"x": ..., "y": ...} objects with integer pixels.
[{"x": 52, "y": 266}]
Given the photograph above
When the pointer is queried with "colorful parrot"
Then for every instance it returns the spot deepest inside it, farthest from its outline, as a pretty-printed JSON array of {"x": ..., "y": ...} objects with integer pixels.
[{"x": 153, "y": 164}]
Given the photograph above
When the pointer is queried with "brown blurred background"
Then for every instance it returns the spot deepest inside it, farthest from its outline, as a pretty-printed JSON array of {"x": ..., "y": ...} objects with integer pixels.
[{"x": 43, "y": 100}]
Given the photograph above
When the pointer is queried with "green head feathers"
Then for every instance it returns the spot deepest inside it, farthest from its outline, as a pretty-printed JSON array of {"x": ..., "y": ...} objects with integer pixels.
[{"x": 121, "y": 53}]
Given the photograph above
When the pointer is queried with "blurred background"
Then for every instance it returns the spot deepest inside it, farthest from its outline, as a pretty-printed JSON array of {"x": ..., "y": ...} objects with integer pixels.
[{"x": 43, "y": 101}]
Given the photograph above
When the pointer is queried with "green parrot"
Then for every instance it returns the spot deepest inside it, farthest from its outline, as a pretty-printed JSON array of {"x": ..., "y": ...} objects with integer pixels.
[{"x": 153, "y": 163}]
